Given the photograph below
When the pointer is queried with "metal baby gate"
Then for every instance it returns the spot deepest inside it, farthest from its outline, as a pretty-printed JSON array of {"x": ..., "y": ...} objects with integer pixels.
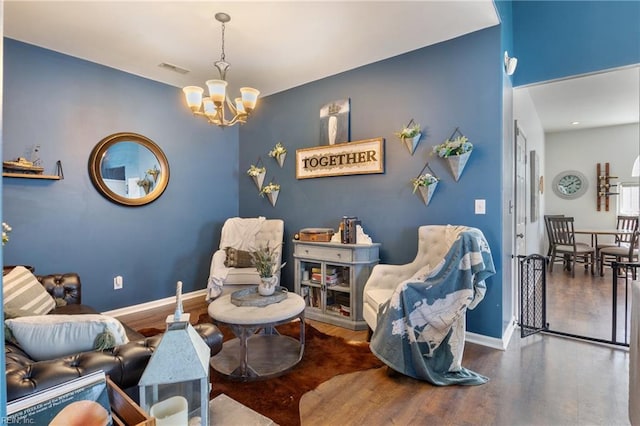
[{"x": 533, "y": 300}]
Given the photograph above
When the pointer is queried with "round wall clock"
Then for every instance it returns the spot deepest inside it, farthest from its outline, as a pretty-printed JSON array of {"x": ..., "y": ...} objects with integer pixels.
[{"x": 570, "y": 184}]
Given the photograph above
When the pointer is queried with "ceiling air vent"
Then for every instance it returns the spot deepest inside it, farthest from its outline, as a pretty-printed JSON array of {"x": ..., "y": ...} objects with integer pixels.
[{"x": 173, "y": 68}]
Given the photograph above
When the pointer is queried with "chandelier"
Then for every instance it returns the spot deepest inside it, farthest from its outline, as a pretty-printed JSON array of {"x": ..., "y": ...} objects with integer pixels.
[{"x": 213, "y": 107}]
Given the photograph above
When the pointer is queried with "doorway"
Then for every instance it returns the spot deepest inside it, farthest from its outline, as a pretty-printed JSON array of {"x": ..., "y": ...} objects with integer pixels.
[{"x": 572, "y": 128}]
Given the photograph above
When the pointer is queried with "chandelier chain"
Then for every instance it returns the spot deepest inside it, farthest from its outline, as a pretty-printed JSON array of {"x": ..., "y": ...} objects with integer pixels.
[{"x": 222, "y": 58}]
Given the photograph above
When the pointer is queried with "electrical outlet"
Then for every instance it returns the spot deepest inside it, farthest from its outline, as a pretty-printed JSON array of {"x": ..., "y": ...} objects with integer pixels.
[
  {"x": 117, "y": 282},
  {"x": 481, "y": 207}
]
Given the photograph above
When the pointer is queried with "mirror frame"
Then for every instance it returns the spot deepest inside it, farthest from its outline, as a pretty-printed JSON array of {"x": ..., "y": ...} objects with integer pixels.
[{"x": 95, "y": 160}]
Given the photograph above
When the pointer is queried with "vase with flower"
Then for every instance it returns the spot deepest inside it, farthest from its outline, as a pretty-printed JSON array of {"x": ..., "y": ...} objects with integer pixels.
[
  {"x": 279, "y": 152},
  {"x": 410, "y": 135},
  {"x": 265, "y": 260},
  {"x": 425, "y": 184},
  {"x": 257, "y": 172},
  {"x": 271, "y": 191},
  {"x": 456, "y": 150}
]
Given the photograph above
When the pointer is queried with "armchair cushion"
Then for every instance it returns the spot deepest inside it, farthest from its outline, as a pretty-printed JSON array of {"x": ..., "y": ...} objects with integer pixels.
[
  {"x": 237, "y": 258},
  {"x": 51, "y": 336},
  {"x": 24, "y": 295}
]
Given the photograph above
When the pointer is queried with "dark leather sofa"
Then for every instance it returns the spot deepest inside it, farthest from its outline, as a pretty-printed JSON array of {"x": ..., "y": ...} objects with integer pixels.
[{"x": 124, "y": 363}]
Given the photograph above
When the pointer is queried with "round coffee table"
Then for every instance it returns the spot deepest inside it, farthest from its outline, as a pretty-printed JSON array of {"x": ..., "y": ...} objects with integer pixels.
[{"x": 258, "y": 351}]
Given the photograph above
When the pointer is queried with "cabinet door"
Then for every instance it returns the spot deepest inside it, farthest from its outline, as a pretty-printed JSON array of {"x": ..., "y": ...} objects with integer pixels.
[
  {"x": 338, "y": 290},
  {"x": 311, "y": 288}
]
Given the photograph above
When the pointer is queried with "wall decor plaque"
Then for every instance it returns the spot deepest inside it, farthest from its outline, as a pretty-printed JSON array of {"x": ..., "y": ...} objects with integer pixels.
[{"x": 353, "y": 158}]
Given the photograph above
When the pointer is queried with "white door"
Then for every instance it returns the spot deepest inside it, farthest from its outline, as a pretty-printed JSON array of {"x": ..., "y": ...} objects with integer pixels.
[{"x": 519, "y": 246}]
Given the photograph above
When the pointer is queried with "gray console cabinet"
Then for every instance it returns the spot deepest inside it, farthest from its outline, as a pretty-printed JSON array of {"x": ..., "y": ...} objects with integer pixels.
[{"x": 331, "y": 278}]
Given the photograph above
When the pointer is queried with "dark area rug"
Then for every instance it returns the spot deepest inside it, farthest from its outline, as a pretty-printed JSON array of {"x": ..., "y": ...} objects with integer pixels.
[{"x": 278, "y": 398}]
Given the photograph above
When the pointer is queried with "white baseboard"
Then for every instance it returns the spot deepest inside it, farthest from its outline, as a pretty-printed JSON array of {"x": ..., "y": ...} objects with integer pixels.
[
  {"x": 171, "y": 300},
  {"x": 492, "y": 342}
]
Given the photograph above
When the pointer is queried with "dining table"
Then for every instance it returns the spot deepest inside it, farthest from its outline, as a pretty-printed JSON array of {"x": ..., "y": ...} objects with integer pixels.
[{"x": 605, "y": 231}]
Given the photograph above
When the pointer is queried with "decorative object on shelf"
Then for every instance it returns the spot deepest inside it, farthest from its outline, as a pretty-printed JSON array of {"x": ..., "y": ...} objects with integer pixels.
[
  {"x": 279, "y": 152},
  {"x": 6, "y": 229},
  {"x": 21, "y": 165},
  {"x": 425, "y": 184},
  {"x": 410, "y": 135},
  {"x": 361, "y": 237},
  {"x": 175, "y": 383},
  {"x": 334, "y": 122},
  {"x": 353, "y": 158},
  {"x": 214, "y": 104},
  {"x": 271, "y": 190},
  {"x": 265, "y": 260},
  {"x": 604, "y": 186},
  {"x": 257, "y": 173},
  {"x": 116, "y": 164},
  {"x": 347, "y": 229},
  {"x": 570, "y": 184},
  {"x": 316, "y": 234},
  {"x": 177, "y": 313},
  {"x": 456, "y": 150}
]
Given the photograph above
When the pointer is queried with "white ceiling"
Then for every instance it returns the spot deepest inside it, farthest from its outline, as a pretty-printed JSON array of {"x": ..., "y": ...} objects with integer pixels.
[
  {"x": 277, "y": 45},
  {"x": 603, "y": 99},
  {"x": 271, "y": 45}
]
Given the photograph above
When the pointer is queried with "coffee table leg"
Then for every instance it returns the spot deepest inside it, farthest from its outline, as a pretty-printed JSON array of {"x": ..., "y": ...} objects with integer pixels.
[{"x": 243, "y": 334}]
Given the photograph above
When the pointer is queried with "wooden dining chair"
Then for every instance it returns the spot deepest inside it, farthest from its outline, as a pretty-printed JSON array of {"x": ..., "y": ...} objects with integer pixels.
[
  {"x": 564, "y": 246},
  {"x": 626, "y": 252},
  {"x": 546, "y": 225}
]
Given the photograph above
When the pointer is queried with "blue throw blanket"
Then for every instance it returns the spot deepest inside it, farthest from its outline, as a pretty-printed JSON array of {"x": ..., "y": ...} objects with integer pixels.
[{"x": 420, "y": 330}]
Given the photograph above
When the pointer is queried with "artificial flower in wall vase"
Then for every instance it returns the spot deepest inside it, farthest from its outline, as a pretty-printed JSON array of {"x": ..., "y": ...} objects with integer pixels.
[
  {"x": 257, "y": 173},
  {"x": 6, "y": 229},
  {"x": 425, "y": 184},
  {"x": 279, "y": 152},
  {"x": 456, "y": 150},
  {"x": 271, "y": 191},
  {"x": 410, "y": 136}
]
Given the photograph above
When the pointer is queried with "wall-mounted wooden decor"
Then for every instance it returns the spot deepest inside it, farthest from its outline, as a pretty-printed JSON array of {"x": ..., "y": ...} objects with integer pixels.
[
  {"x": 353, "y": 158},
  {"x": 604, "y": 186}
]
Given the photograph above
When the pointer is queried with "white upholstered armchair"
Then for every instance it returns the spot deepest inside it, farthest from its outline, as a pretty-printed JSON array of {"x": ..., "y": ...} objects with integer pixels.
[
  {"x": 433, "y": 244},
  {"x": 242, "y": 235}
]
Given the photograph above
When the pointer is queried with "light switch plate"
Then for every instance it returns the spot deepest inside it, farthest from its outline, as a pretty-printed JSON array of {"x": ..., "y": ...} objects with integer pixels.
[{"x": 481, "y": 207}]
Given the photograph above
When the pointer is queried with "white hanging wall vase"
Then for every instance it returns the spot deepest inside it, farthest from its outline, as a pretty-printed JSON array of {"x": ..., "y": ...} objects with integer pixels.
[
  {"x": 426, "y": 192},
  {"x": 457, "y": 163},
  {"x": 273, "y": 197},
  {"x": 281, "y": 158},
  {"x": 259, "y": 180},
  {"x": 412, "y": 143}
]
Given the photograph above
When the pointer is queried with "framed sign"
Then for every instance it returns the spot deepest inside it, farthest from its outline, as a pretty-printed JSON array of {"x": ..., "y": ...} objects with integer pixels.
[{"x": 353, "y": 158}]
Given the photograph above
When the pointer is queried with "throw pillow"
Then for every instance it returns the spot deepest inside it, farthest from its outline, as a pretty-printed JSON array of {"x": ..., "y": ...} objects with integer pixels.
[
  {"x": 237, "y": 258},
  {"x": 46, "y": 337},
  {"x": 23, "y": 292}
]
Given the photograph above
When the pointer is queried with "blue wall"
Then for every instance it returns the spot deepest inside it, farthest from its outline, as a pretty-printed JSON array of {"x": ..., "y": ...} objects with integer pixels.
[
  {"x": 555, "y": 39},
  {"x": 453, "y": 84},
  {"x": 67, "y": 106}
]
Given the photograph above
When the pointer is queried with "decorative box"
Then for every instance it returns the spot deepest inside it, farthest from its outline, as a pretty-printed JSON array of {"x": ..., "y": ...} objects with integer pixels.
[{"x": 316, "y": 234}]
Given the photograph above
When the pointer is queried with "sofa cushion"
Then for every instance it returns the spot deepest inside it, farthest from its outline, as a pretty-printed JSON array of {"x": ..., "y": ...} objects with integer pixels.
[
  {"x": 24, "y": 295},
  {"x": 237, "y": 258},
  {"x": 47, "y": 337}
]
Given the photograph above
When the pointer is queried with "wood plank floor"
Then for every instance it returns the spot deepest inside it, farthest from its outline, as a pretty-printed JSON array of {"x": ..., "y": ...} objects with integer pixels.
[{"x": 541, "y": 380}]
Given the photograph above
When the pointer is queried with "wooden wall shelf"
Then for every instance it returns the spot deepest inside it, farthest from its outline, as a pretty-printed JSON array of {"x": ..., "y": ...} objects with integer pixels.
[{"x": 30, "y": 176}]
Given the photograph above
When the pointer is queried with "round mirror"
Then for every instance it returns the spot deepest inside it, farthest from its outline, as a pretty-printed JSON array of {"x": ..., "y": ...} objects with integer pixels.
[{"x": 129, "y": 169}]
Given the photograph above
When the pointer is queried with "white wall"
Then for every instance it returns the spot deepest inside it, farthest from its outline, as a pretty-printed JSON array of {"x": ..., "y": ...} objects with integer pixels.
[
  {"x": 581, "y": 150},
  {"x": 529, "y": 122}
]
